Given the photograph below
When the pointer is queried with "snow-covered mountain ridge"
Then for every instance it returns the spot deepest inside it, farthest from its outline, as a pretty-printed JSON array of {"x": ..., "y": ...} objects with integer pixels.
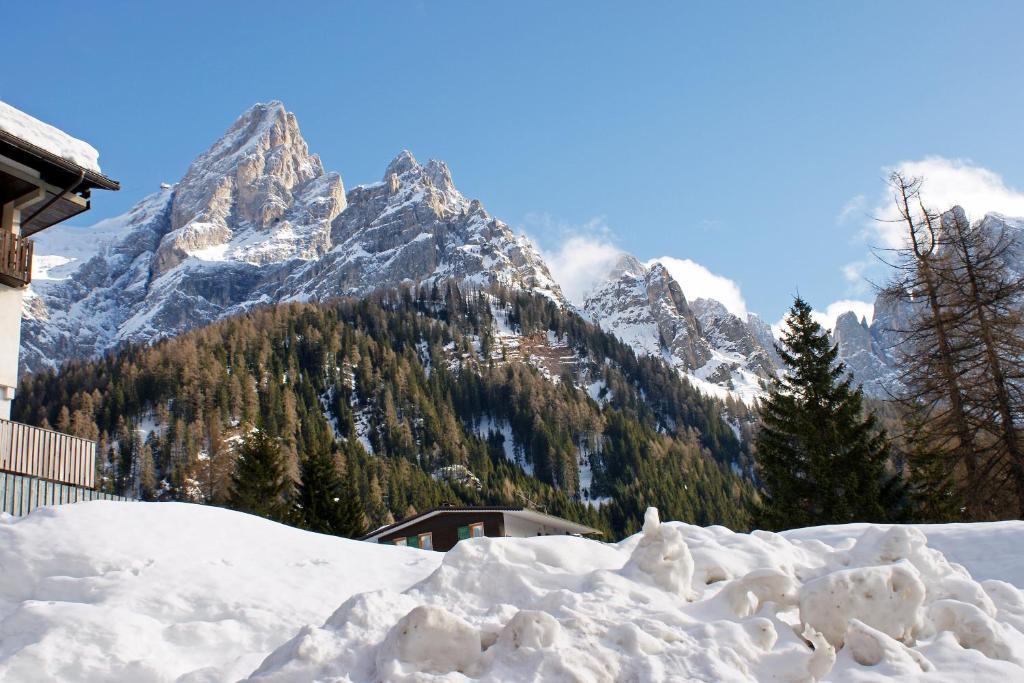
[
  {"x": 645, "y": 306},
  {"x": 258, "y": 220}
]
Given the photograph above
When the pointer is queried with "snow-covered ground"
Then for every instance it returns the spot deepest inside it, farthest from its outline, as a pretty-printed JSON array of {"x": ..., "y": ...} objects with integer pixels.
[{"x": 172, "y": 592}]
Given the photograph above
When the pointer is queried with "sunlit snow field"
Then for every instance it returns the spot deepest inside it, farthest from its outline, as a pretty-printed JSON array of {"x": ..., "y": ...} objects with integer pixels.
[{"x": 174, "y": 592}]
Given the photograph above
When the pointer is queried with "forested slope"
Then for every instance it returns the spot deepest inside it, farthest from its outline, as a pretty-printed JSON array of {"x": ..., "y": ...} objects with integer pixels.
[{"x": 428, "y": 396}]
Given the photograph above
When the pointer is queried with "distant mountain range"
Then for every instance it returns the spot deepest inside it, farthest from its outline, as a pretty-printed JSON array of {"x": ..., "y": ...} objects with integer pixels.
[{"x": 257, "y": 220}]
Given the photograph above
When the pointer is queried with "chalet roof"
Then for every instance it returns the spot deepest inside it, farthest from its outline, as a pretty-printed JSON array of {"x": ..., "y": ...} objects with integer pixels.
[
  {"x": 36, "y": 157},
  {"x": 525, "y": 513}
]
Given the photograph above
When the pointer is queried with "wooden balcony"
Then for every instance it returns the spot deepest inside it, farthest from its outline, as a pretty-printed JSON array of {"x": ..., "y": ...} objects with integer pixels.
[
  {"x": 47, "y": 455},
  {"x": 15, "y": 260}
]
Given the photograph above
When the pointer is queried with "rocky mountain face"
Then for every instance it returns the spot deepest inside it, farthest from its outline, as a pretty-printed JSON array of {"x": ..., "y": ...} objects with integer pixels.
[
  {"x": 864, "y": 352},
  {"x": 645, "y": 306},
  {"x": 256, "y": 220}
]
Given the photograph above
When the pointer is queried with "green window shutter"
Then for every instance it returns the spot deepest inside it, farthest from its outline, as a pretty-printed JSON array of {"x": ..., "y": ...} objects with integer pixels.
[
  {"x": 463, "y": 533},
  {"x": 413, "y": 541}
]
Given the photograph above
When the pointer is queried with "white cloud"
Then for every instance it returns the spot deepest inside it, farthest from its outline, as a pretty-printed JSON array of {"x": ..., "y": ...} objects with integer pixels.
[
  {"x": 698, "y": 282},
  {"x": 585, "y": 256},
  {"x": 946, "y": 182},
  {"x": 856, "y": 205},
  {"x": 854, "y": 271},
  {"x": 828, "y": 317}
]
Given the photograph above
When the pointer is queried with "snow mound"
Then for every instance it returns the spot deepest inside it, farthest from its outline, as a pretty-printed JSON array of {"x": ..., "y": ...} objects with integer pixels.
[
  {"x": 677, "y": 602},
  {"x": 106, "y": 591},
  {"x": 143, "y": 592},
  {"x": 661, "y": 557},
  {"x": 886, "y": 598},
  {"x": 428, "y": 639},
  {"x": 47, "y": 137}
]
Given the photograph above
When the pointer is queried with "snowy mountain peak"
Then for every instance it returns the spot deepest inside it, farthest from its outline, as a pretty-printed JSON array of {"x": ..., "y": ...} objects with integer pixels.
[
  {"x": 401, "y": 164},
  {"x": 261, "y": 156},
  {"x": 644, "y": 305},
  {"x": 257, "y": 220},
  {"x": 256, "y": 195},
  {"x": 627, "y": 265}
]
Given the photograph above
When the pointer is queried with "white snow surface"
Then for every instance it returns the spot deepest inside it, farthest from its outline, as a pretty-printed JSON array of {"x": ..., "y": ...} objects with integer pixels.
[
  {"x": 174, "y": 592},
  {"x": 140, "y": 592},
  {"x": 47, "y": 137}
]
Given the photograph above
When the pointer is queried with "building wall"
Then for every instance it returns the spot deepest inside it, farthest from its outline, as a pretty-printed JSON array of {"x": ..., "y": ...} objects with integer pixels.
[
  {"x": 10, "y": 344},
  {"x": 444, "y": 528},
  {"x": 524, "y": 528}
]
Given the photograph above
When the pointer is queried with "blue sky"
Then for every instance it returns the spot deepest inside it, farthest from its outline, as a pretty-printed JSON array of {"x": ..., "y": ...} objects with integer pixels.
[{"x": 751, "y": 138}]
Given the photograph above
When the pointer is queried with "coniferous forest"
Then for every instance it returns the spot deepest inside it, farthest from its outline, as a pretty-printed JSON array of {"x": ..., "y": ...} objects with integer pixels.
[{"x": 412, "y": 401}]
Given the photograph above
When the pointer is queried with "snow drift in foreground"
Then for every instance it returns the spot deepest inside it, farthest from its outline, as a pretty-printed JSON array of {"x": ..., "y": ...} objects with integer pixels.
[
  {"x": 119, "y": 591},
  {"x": 153, "y": 591}
]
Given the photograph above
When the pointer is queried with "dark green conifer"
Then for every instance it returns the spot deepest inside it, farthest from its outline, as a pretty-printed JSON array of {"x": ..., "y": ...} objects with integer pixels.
[
  {"x": 325, "y": 503},
  {"x": 260, "y": 485},
  {"x": 822, "y": 460}
]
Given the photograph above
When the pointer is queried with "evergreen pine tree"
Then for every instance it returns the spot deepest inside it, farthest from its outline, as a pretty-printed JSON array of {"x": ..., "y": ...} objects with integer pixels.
[
  {"x": 260, "y": 485},
  {"x": 324, "y": 502},
  {"x": 821, "y": 459}
]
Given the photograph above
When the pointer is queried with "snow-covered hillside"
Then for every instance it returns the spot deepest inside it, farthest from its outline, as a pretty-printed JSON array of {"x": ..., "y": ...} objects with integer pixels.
[{"x": 171, "y": 592}]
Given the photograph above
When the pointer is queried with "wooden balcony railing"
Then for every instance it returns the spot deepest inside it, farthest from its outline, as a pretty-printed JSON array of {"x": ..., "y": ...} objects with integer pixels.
[
  {"x": 15, "y": 259},
  {"x": 47, "y": 454}
]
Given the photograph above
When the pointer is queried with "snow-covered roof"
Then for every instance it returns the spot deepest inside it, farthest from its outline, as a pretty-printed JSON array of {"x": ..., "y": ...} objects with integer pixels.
[{"x": 48, "y": 138}]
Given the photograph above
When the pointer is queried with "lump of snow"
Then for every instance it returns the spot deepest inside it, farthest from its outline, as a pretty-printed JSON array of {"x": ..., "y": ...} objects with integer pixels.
[
  {"x": 428, "y": 639},
  {"x": 976, "y": 630},
  {"x": 824, "y": 657},
  {"x": 888, "y": 598},
  {"x": 661, "y": 557},
  {"x": 746, "y": 595},
  {"x": 53, "y": 140},
  {"x": 531, "y": 629},
  {"x": 871, "y": 647}
]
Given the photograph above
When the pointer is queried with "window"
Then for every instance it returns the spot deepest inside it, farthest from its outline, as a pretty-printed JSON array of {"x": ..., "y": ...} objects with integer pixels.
[
  {"x": 475, "y": 530},
  {"x": 399, "y": 541},
  {"x": 413, "y": 541},
  {"x": 427, "y": 541}
]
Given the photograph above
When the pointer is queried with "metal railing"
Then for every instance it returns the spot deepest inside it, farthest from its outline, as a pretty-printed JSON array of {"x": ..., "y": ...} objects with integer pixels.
[
  {"x": 15, "y": 259},
  {"x": 47, "y": 454},
  {"x": 20, "y": 495}
]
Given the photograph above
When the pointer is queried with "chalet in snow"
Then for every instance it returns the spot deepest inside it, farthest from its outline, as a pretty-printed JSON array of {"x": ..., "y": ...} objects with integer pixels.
[
  {"x": 441, "y": 528},
  {"x": 46, "y": 177}
]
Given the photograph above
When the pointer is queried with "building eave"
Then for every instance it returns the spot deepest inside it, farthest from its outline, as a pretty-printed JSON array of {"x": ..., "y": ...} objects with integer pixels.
[
  {"x": 534, "y": 515},
  {"x": 59, "y": 165}
]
